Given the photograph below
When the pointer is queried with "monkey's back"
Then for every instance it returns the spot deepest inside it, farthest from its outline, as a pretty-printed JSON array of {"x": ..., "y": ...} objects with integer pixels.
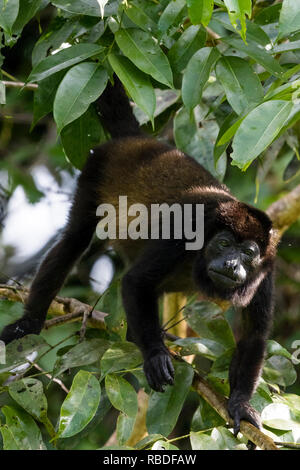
[{"x": 149, "y": 172}]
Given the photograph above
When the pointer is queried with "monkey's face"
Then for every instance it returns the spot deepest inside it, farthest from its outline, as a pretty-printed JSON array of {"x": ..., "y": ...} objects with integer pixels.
[{"x": 229, "y": 263}]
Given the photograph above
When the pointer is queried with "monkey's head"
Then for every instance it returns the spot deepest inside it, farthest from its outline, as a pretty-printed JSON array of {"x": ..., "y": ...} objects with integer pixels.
[
  {"x": 236, "y": 254},
  {"x": 229, "y": 263}
]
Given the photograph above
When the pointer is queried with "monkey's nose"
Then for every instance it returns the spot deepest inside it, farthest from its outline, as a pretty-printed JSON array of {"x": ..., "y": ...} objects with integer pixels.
[{"x": 231, "y": 265}]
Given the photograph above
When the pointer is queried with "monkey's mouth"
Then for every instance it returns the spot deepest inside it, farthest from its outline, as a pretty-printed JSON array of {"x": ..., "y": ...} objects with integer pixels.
[{"x": 226, "y": 280}]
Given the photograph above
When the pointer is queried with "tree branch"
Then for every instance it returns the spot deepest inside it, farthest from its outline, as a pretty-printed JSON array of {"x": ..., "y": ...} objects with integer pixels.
[
  {"x": 284, "y": 212},
  {"x": 65, "y": 309}
]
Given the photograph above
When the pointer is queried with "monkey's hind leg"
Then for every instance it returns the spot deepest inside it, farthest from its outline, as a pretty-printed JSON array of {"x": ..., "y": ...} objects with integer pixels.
[{"x": 61, "y": 258}]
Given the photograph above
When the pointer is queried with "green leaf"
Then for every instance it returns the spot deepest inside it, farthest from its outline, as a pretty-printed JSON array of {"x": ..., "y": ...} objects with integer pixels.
[
  {"x": 62, "y": 60},
  {"x": 258, "y": 130},
  {"x": 293, "y": 402},
  {"x": 289, "y": 20},
  {"x": 237, "y": 11},
  {"x": 140, "y": 47},
  {"x": 274, "y": 348},
  {"x": 261, "y": 398},
  {"x": 111, "y": 302},
  {"x": 259, "y": 54},
  {"x": 200, "y": 346},
  {"x": 190, "y": 41},
  {"x": 255, "y": 34},
  {"x": 121, "y": 394},
  {"x": 19, "y": 350},
  {"x": 242, "y": 86},
  {"x": 207, "y": 319},
  {"x": 279, "y": 370},
  {"x": 228, "y": 133},
  {"x": 135, "y": 10},
  {"x": 148, "y": 441},
  {"x": 170, "y": 14},
  {"x": 280, "y": 416},
  {"x": 267, "y": 15},
  {"x": 200, "y": 11},
  {"x": 124, "y": 428},
  {"x": 196, "y": 141},
  {"x": 196, "y": 75},
  {"x": 79, "y": 7},
  {"x": 44, "y": 96},
  {"x": 29, "y": 394},
  {"x": 59, "y": 31},
  {"x": 205, "y": 417},
  {"x": 201, "y": 441},
  {"x": 286, "y": 47},
  {"x": 164, "y": 408},
  {"x": 225, "y": 126},
  {"x": 80, "y": 136},
  {"x": 27, "y": 9},
  {"x": 222, "y": 362},
  {"x": 80, "y": 405},
  {"x": 292, "y": 168},
  {"x": 9, "y": 312},
  {"x": 8, "y": 14},
  {"x": 136, "y": 83},
  {"x": 122, "y": 355},
  {"x": 81, "y": 85},
  {"x": 220, "y": 439},
  {"x": 82, "y": 354},
  {"x": 163, "y": 445},
  {"x": 20, "y": 431}
]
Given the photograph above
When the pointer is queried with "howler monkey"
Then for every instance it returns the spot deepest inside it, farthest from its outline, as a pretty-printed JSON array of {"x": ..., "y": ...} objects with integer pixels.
[{"x": 235, "y": 263}]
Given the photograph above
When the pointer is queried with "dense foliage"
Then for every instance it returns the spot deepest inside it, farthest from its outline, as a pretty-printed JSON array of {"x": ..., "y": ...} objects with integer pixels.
[{"x": 228, "y": 72}]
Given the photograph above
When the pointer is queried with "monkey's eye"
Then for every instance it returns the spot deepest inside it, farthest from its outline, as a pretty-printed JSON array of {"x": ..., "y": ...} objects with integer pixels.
[
  {"x": 224, "y": 242},
  {"x": 249, "y": 252}
]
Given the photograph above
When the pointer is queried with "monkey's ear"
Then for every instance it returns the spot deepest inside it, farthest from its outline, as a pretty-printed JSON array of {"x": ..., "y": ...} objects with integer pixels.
[{"x": 262, "y": 218}]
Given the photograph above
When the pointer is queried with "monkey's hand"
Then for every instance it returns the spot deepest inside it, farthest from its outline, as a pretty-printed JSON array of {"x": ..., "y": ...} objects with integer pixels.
[
  {"x": 159, "y": 369},
  {"x": 241, "y": 409},
  {"x": 20, "y": 328}
]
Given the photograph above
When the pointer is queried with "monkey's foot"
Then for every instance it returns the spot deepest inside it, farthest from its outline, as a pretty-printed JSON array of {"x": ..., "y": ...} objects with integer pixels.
[
  {"x": 20, "y": 328},
  {"x": 159, "y": 370},
  {"x": 239, "y": 410}
]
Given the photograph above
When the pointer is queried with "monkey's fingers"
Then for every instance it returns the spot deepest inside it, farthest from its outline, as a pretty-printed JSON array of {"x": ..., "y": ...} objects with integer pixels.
[
  {"x": 166, "y": 370},
  {"x": 159, "y": 371}
]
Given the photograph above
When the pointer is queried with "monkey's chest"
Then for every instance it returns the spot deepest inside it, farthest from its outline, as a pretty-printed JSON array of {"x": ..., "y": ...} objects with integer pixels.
[{"x": 180, "y": 280}]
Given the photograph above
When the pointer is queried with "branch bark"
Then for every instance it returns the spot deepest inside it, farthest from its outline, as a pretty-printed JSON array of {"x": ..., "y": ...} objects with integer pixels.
[
  {"x": 28, "y": 86},
  {"x": 64, "y": 309},
  {"x": 284, "y": 212}
]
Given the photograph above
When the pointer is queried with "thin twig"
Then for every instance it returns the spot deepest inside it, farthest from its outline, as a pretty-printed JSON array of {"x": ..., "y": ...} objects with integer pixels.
[
  {"x": 288, "y": 445},
  {"x": 53, "y": 379},
  {"x": 172, "y": 317},
  {"x": 28, "y": 86}
]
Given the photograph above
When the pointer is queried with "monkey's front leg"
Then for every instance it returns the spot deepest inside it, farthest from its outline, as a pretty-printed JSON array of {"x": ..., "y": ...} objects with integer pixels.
[
  {"x": 141, "y": 306},
  {"x": 140, "y": 299},
  {"x": 243, "y": 375},
  {"x": 247, "y": 361}
]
